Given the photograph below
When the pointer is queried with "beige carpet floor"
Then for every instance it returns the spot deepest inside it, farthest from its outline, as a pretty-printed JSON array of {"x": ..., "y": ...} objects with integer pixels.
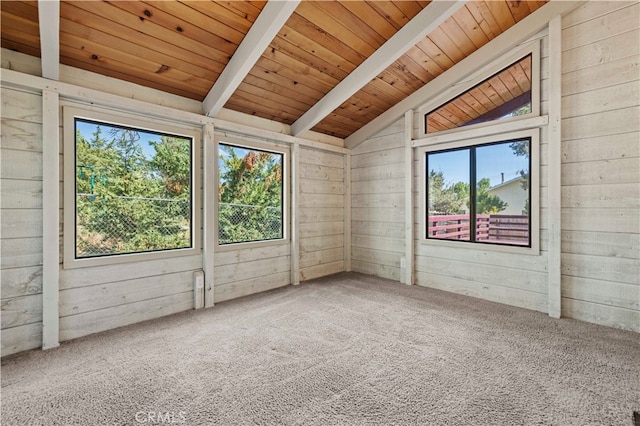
[{"x": 343, "y": 350}]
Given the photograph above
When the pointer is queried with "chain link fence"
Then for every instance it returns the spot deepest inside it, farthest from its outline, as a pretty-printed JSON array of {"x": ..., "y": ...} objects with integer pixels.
[
  {"x": 119, "y": 225},
  {"x": 239, "y": 223}
]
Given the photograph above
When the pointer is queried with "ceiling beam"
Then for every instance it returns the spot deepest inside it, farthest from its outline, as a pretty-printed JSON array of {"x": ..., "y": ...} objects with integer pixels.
[
  {"x": 49, "y": 22},
  {"x": 415, "y": 30},
  {"x": 491, "y": 51},
  {"x": 271, "y": 19}
]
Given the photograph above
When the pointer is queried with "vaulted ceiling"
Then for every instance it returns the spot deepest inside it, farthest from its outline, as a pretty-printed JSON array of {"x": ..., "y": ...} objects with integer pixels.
[{"x": 331, "y": 66}]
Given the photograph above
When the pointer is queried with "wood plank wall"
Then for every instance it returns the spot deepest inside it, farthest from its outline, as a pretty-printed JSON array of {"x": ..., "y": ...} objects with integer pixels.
[
  {"x": 101, "y": 298},
  {"x": 21, "y": 234},
  {"x": 601, "y": 164},
  {"x": 377, "y": 203},
  {"x": 600, "y": 188},
  {"x": 515, "y": 279},
  {"x": 321, "y": 210}
]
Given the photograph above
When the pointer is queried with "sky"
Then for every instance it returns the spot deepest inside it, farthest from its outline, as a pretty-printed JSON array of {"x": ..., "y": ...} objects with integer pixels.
[
  {"x": 492, "y": 160},
  {"x": 87, "y": 129}
]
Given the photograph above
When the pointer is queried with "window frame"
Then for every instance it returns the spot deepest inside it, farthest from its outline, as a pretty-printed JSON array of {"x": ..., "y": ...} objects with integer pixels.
[
  {"x": 534, "y": 194},
  {"x": 531, "y": 48},
  {"x": 73, "y": 111},
  {"x": 268, "y": 146}
]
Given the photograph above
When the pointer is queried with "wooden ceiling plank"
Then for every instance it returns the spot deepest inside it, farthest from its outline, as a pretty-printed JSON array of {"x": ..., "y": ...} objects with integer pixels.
[
  {"x": 373, "y": 18},
  {"x": 458, "y": 36},
  {"x": 309, "y": 75},
  {"x": 136, "y": 65},
  {"x": 126, "y": 68},
  {"x": 356, "y": 107},
  {"x": 250, "y": 9},
  {"x": 24, "y": 38},
  {"x": 253, "y": 109},
  {"x": 519, "y": 9},
  {"x": 409, "y": 65},
  {"x": 481, "y": 13},
  {"x": 282, "y": 98},
  {"x": 423, "y": 60},
  {"x": 26, "y": 11},
  {"x": 87, "y": 19},
  {"x": 327, "y": 40},
  {"x": 124, "y": 77},
  {"x": 446, "y": 45},
  {"x": 271, "y": 19},
  {"x": 327, "y": 23},
  {"x": 501, "y": 13},
  {"x": 307, "y": 51},
  {"x": 18, "y": 24},
  {"x": 278, "y": 74},
  {"x": 408, "y": 8},
  {"x": 470, "y": 26},
  {"x": 269, "y": 86},
  {"x": 193, "y": 24},
  {"x": 104, "y": 39},
  {"x": 20, "y": 47},
  {"x": 426, "y": 21},
  {"x": 364, "y": 29},
  {"x": 49, "y": 21},
  {"x": 432, "y": 51},
  {"x": 230, "y": 17},
  {"x": 333, "y": 129},
  {"x": 390, "y": 11},
  {"x": 146, "y": 33},
  {"x": 270, "y": 103},
  {"x": 481, "y": 57}
]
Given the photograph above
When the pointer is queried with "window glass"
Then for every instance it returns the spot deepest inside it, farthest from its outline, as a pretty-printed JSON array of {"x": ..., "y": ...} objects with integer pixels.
[
  {"x": 486, "y": 185},
  {"x": 448, "y": 195},
  {"x": 502, "y": 193},
  {"x": 504, "y": 95},
  {"x": 133, "y": 190},
  {"x": 250, "y": 195}
]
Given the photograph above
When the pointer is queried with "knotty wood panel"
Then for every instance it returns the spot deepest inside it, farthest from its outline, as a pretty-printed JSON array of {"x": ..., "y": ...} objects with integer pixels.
[
  {"x": 181, "y": 47},
  {"x": 469, "y": 28}
]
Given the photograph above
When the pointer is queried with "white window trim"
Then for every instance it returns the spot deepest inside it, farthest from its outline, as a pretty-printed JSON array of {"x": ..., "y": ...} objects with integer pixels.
[
  {"x": 71, "y": 111},
  {"x": 531, "y": 48},
  {"x": 534, "y": 199},
  {"x": 276, "y": 147}
]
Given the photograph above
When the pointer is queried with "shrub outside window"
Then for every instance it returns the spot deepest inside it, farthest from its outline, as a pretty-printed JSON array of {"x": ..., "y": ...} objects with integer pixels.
[
  {"x": 131, "y": 189},
  {"x": 251, "y": 194},
  {"x": 480, "y": 193}
]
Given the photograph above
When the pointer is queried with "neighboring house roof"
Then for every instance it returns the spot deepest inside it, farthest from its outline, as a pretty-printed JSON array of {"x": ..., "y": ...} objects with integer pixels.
[{"x": 512, "y": 193}]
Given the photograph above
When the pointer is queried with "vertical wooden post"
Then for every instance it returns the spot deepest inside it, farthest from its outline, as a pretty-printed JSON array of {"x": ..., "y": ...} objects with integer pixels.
[
  {"x": 295, "y": 216},
  {"x": 408, "y": 199},
  {"x": 555, "y": 164},
  {"x": 347, "y": 212},
  {"x": 209, "y": 214},
  {"x": 51, "y": 218}
]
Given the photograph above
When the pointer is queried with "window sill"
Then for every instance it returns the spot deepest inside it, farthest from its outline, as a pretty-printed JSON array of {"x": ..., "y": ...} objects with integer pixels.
[
  {"x": 534, "y": 250},
  {"x": 251, "y": 245}
]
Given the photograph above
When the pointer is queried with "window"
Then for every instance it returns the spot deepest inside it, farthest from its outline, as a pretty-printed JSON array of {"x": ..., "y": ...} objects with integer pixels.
[
  {"x": 131, "y": 188},
  {"x": 483, "y": 191},
  {"x": 504, "y": 95},
  {"x": 251, "y": 193}
]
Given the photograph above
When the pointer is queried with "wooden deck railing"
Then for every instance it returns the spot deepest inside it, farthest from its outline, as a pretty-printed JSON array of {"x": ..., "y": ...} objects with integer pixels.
[{"x": 494, "y": 228}]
